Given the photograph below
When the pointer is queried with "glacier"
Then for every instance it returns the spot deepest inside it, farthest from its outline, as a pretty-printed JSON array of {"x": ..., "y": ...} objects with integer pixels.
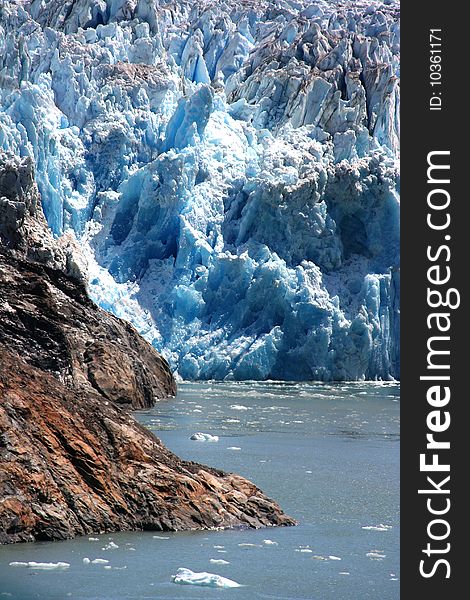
[{"x": 230, "y": 171}]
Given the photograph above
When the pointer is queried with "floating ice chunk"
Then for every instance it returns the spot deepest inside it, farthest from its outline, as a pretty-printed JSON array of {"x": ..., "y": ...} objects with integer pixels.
[
  {"x": 269, "y": 543},
  {"x": 239, "y": 407},
  {"x": 204, "y": 437},
  {"x": 380, "y": 527},
  {"x": 86, "y": 561},
  {"x": 160, "y": 537},
  {"x": 92, "y": 539},
  {"x": 331, "y": 557},
  {"x": 41, "y": 566},
  {"x": 48, "y": 566},
  {"x": 233, "y": 448},
  {"x": 99, "y": 561},
  {"x": 375, "y": 555},
  {"x": 108, "y": 567},
  {"x": 219, "y": 561},
  {"x": 219, "y": 547},
  {"x": 110, "y": 546},
  {"x": 187, "y": 577},
  {"x": 305, "y": 550},
  {"x": 317, "y": 557},
  {"x": 344, "y": 573},
  {"x": 247, "y": 545}
]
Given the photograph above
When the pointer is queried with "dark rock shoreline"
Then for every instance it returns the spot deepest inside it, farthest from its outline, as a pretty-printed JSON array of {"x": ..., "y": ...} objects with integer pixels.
[{"x": 73, "y": 461}]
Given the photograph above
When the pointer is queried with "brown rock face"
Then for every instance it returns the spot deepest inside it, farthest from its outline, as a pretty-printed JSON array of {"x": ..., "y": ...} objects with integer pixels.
[
  {"x": 72, "y": 464},
  {"x": 48, "y": 319},
  {"x": 72, "y": 459}
]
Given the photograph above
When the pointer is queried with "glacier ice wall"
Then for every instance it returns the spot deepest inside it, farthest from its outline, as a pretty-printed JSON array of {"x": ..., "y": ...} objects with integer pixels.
[{"x": 229, "y": 168}]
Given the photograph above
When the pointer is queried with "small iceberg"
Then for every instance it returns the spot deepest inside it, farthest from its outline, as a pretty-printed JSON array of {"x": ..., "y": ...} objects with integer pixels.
[
  {"x": 110, "y": 546},
  {"x": 99, "y": 561},
  {"x": 41, "y": 566},
  {"x": 204, "y": 437},
  {"x": 187, "y": 577},
  {"x": 380, "y": 527},
  {"x": 375, "y": 555},
  {"x": 219, "y": 561},
  {"x": 269, "y": 543}
]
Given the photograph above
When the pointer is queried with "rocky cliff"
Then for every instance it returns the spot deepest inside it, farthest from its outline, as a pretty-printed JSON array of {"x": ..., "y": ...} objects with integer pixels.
[{"x": 72, "y": 459}]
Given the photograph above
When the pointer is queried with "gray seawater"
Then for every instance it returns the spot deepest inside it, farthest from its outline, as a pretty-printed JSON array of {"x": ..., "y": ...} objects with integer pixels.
[{"x": 328, "y": 453}]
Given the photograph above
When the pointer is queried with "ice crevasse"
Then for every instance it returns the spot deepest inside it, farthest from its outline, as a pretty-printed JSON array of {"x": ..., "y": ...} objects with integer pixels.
[{"x": 229, "y": 168}]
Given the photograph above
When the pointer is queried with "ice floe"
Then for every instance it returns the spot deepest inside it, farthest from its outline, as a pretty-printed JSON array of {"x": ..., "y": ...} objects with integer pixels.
[
  {"x": 270, "y": 543},
  {"x": 204, "y": 437},
  {"x": 110, "y": 546},
  {"x": 99, "y": 561},
  {"x": 376, "y": 555},
  {"x": 187, "y": 577},
  {"x": 380, "y": 527},
  {"x": 219, "y": 561},
  {"x": 41, "y": 566}
]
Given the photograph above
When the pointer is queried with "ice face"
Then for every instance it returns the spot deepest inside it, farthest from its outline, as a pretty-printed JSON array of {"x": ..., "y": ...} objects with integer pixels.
[{"x": 229, "y": 170}]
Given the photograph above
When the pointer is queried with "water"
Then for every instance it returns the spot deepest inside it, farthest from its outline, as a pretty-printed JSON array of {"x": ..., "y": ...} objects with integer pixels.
[{"x": 328, "y": 454}]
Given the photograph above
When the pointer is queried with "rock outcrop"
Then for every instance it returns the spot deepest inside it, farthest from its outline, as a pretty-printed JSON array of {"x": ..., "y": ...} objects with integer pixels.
[
  {"x": 46, "y": 315},
  {"x": 72, "y": 459},
  {"x": 73, "y": 464}
]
